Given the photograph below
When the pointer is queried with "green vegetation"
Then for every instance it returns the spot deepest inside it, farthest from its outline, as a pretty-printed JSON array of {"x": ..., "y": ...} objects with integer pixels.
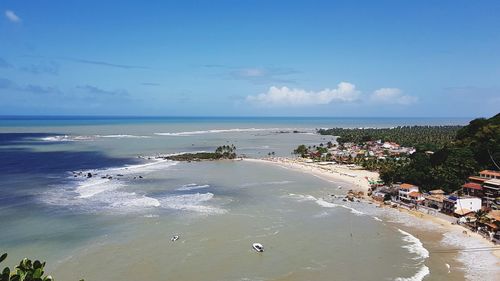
[
  {"x": 314, "y": 152},
  {"x": 475, "y": 147},
  {"x": 301, "y": 150},
  {"x": 25, "y": 271},
  {"x": 222, "y": 152},
  {"x": 421, "y": 137}
]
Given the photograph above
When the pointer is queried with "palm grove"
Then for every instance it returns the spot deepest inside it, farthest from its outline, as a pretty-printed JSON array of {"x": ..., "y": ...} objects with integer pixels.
[{"x": 445, "y": 155}]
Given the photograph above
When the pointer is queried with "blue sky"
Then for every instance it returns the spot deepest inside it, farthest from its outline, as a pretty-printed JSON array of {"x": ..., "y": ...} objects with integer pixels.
[{"x": 250, "y": 58}]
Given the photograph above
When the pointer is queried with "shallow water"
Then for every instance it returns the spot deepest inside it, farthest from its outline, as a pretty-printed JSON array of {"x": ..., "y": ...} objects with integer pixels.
[{"x": 120, "y": 228}]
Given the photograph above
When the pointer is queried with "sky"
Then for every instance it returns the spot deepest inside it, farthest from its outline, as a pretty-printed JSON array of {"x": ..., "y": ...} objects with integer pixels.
[{"x": 250, "y": 58}]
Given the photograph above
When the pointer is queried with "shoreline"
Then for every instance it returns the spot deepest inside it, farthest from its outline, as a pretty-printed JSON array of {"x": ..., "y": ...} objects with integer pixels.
[
  {"x": 461, "y": 234},
  {"x": 355, "y": 177}
]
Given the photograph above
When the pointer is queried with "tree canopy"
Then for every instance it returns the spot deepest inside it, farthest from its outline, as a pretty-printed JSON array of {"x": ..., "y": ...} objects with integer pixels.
[{"x": 475, "y": 147}]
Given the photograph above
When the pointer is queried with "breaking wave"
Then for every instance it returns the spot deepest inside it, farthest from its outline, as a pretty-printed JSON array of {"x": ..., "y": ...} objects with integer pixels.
[
  {"x": 415, "y": 246},
  {"x": 192, "y": 186},
  {"x": 217, "y": 131},
  {"x": 478, "y": 265},
  {"x": 191, "y": 202},
  {"x": 70, "y": 138}
]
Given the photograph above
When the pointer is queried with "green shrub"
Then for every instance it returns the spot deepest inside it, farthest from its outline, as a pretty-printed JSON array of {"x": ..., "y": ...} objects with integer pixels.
[{"x": 25, "y": 271}]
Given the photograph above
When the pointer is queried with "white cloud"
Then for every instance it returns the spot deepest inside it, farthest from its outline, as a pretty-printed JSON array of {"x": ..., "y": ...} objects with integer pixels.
[
  {"x": 392, "y": 96},
  {"x": 10, "y": 15},
  {"x": 284, "y": 96}
]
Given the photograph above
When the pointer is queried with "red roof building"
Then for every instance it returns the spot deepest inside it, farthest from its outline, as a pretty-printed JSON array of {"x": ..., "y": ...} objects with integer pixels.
[
  {"x": 477, "y": 179},
  {"x": 473, "y": 189},
  {"x": 490, "y": 174}
]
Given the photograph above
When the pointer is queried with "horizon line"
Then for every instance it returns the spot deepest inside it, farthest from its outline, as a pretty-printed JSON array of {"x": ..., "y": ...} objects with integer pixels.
[{"x": 2, "y": 116}]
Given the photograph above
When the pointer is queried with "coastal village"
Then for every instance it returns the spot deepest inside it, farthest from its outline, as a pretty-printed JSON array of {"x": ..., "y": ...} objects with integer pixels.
[{"x": 474, "y": 205}]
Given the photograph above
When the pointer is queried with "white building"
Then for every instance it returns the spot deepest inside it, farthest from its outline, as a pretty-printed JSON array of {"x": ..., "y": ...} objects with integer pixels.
[
  {"x": 461, "y": 205},
  {"x": 409, "y": 193}
]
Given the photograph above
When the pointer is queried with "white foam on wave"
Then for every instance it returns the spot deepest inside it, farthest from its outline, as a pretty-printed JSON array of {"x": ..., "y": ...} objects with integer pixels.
[
  {"x": 419, "y": 276},
  {"x": 326, "y": 204},
  {"x": 70, "y": 138},
  {"x": 479, "y": 265},
  {"x": 97, "y": 193},
  {"x": 66, "y": 138},
  {"x": 124, "y": 136},
  {"x": 301, "y": 198},
  {"x": 131, "y": 199},
  {"x": 88, "y": 187},
  {"x": 376, "y": 218},
  {"x": 217, "y": 131},
  {"x": 151, "y": 216},
  {"x": 92, "y": 186},
  {"x": 266, "y": 183},
  {"x": 323, "y": 203},
  {"x": 191, "y": 202},
  {"x": 192, "y": 186},
  {"x": 415, "y": 246}
]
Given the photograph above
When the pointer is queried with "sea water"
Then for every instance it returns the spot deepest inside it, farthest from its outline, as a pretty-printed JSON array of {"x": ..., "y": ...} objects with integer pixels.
[{"x": 118, "y": 224}]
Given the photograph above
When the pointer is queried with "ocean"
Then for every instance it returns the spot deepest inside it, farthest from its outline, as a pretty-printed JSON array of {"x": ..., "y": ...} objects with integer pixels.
[{"x": 118, "y": 224}]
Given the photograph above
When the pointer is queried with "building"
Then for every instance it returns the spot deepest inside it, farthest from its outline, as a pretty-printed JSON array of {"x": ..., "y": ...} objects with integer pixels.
[
  {"x": 491, "y": 191},
  {"x": 484, "y": 176},
  {"x": 476, "y": 179},
  {"x": 416, "y": 197},
  {"x": 434, "y": 199},
  {"x": 473, "y": 189},
  {"x": 460, "y": 206},
  {"x": 493, "y": 225},
  {"x": 381, "y": 194},
  {"x": 407, "y": 193},
  {"x": 489, "y": 174}
]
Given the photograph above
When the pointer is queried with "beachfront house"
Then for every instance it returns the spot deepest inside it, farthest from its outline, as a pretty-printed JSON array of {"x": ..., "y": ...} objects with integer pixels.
[
  {"x": 489, "y": 174},
  {"x": 491, "y": 191},
  {"x": 473, "y": 189},
  {"x": 409, "y": 194},
  {"x": 434, "y": 199},
  {"x": 461, "y": 206},
  {"x": 477, "y": 179},
  {"x": 484, "y": 176},
  {"x": 492, "y": 225},
  {"x": 381, "y": 194}
]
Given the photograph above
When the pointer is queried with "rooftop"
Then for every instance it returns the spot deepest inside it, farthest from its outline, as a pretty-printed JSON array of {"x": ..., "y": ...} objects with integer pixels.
[
  {"x": 436, "y": 192},
  {"x": 476, "y": 178},
  {"x": 473, "y": 185},
  {"x": 437, "y": 197},
  {"x": 490, "y": 173},
  {"x": 407, "y": 186},
  {"x": 493, "y": 182},
  {"x": 494, "y": 214},
  {"x": 462, "y": 212},
  {"x": 454, "y": 197},
  {"x": 414, "y": 194}
]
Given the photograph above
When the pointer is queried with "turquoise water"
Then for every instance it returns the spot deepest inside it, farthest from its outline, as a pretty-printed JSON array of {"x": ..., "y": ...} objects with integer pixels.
[
  {"x": 14, "y": 121},
  {"x": 78, "y": 224}
]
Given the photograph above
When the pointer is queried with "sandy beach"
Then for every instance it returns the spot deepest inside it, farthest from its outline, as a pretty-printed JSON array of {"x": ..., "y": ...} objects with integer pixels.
[
  {"x": 453, "y": 236},
  {"x": 355, "y": 176}
]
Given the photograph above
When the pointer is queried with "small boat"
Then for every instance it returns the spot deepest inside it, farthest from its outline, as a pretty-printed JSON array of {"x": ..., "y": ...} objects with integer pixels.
[
  {"x": 258, "y": 247},
  {"x": 174, "y": 238}
]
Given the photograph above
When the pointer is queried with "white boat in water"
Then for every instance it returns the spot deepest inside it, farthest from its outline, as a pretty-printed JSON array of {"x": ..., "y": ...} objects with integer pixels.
[
  {"x": 258, "y": 247},
  {"x": 174, "y": 238}
]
